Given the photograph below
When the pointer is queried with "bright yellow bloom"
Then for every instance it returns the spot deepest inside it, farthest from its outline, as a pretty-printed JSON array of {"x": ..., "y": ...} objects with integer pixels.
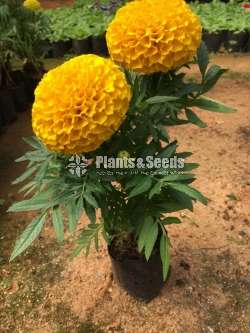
[
  {"x": 151, "y": 36},
  {"x": 32, "y": 4},
  {"x": 80, "y": 104}
]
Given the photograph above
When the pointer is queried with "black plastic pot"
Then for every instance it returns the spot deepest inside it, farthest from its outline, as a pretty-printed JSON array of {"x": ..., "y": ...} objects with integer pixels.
[
  {"x": 247, "y": 46},
  {"x": 99, "y": 45},
  {"x": 46, "y": 48},
  {"x": 140, "y": 278},
  {"x": 236, "y": 42},
  {"x": 7, "y": 107},
  {"x": 60, "y": 48},
  {"x": 82, "y": 46},
  {"x": 212, "y": 40}
]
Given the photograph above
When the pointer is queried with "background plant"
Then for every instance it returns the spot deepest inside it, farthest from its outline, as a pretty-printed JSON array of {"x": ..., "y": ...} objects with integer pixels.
[
  {"x": 21, "y": 33},
  {"x": 217, "y": 16}
]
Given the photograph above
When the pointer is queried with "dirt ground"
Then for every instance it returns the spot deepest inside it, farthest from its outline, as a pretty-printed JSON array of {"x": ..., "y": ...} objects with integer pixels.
[
  {"x": 209, "y": 287},
  {"x": 55, "y": 3}
]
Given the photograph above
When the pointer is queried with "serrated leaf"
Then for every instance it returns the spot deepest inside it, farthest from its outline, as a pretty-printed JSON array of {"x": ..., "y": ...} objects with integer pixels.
[
  {"x": 178, "y": 177},
  {"x": 161, "y": 99},
  {"x": 171, "y": 220},
  {"x": 168, "y": 151},
  {"x": 133, "y": 181},
  {"x": 39, "y": 201},
  {"x": 156, "y": 189},
  {"x": 212, "y": 76},
  {"x": 212, "y": 105},
  {"x": 142, "y": 187},
  {"x": 90, "y": 199},
  {"x": 25, "y": 175},
  {"x": 28, "y": 236},
  {"x": 148, "y": 222},
  {"x": 183, "y": 199},
  {"x": 57, "y": 220},
  {"x": 203, "y": 59},
  {"x": 90, "y": 211},
  {"x": 89, "y": 234},
  {"x": 190, "y": 166},
  {"x": 33, "y": 142},
  {"x": 42, "y": 171},
  {"x": 190, "y": 191},
  {"x": 165, "y": 255},
  {"x": 74, "y": 210},
  {"x": 163, "y": 134},
  {"x": 150, "y": 240},
  {"x": 194, "y": 119}
]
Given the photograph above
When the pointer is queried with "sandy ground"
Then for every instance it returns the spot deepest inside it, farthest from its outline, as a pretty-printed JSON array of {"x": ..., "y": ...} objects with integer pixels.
[{"x": 209, "y": 288}]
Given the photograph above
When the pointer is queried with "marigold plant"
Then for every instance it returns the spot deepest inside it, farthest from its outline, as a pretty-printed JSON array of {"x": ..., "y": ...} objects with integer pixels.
[
  {"x": 154, "y": 35},
  {"x": 80, "y": 104},
  {"x": 116, "y": 120}
]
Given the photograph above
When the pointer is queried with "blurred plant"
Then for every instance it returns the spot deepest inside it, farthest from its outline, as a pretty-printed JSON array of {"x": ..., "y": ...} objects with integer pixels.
[
  {"x": 78, "y": 23},
  {"x": 20, "y": 34},
  {"x": 216, "y": 16}
]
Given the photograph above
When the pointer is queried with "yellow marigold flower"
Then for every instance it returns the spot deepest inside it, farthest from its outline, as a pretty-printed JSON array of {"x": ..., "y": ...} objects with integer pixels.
[
  {"x": 151, "y": 36},
  {"x": 32, "y": 4},
  {"x": 80, "y": 104}
]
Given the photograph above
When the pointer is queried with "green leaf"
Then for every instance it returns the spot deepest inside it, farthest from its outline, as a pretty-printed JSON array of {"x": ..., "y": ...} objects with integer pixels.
[
  {"x": 142, "y": 187},
  {"x": 170, "y": 220},
  {"x": 90, "y": 211},
  {"x": 33, "y": 142},
  {"x": 170, "y": 206},
  {"x": 212, "y": 76},
  {"x": 212, "y": 105},
  {"x": 168, "y": 151},
  {"x": 42, "y": 171},
  {"x": 57, "y": 220},
  {"x": 147, "y": 224},
  {"x": 182, "y": 198},
  {"x": 156, "y": 189},
  {"x": 190, "y": 191},
  {"x": 25, "y": 175},
  {"x": 178, "y": 177},
  {"x": 161, "y": 99},
  {"x": 202, "y": 57},
  {"x": 133, "y": 181},
  {"x": 90, "y": 199},
  {"x": 39, "y": 201},
  {"x": 150, "y": 240},
  {"x": 190, "y": 166},
  {"x": 163, "y": 134},
  {"x": 89, "y": 234},
  {"x": 165, "y": 255},
  {"x": 194, "y": 119},
  {"x": 74, "y": 210},
  {"x": 28, "y": 236},
  {"x": 189, "y": 88}
]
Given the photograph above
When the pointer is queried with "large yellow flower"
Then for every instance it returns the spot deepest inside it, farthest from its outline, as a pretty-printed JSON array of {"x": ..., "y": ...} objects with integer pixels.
[
  {"x": 151, "y": 36},
  {"x": 32, "y": 4},
  {"x": 80, "y": 104}
]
